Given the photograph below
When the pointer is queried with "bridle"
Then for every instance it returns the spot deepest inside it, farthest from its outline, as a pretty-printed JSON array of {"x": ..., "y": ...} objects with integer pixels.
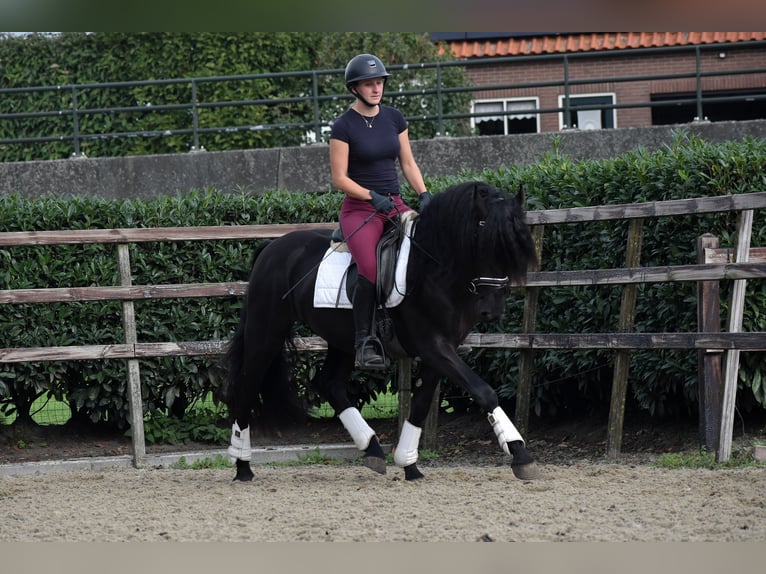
[{"x": 494, "y": 282}]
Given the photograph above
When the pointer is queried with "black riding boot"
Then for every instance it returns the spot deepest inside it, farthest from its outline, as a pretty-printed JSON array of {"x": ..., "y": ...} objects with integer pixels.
[{"x": 369, "y": 350}]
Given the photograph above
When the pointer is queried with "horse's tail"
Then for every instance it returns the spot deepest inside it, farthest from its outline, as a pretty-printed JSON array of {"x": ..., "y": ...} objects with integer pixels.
[
  {"x": 234, "y": 351},
  {"x": 276, "y": 400},
  {"x": 279, "y": 402}
]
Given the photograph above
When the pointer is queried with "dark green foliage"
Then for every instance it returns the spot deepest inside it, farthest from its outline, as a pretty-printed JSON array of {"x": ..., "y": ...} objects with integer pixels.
[
  {"x": 260, "y": 112},
  {"x": 76, "y": 58},
  {"x": 200, "y": 424}
]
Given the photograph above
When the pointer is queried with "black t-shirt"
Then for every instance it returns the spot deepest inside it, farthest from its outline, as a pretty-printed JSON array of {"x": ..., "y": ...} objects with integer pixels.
[{"x": 372, "y": 151}]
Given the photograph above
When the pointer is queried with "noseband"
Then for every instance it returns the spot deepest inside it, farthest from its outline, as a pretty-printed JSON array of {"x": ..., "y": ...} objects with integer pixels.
[{"x": 494, "y": 282}]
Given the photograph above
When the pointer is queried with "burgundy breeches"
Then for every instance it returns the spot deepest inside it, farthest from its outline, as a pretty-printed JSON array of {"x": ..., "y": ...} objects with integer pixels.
[{"x": 362, "y": 238}]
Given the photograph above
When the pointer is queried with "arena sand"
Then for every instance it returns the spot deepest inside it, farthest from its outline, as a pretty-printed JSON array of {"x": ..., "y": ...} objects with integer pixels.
[{"x": 582, "y": 501}]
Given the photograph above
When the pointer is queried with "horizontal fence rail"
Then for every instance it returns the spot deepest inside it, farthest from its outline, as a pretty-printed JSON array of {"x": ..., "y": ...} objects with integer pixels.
[
  {"x": 649, "y": 209},
  {"x": 723, "y": 265},
  {"x": 701, "y": 341},
  {"x": 676, "y": 273},
  {"x": 144, "y": 235}
]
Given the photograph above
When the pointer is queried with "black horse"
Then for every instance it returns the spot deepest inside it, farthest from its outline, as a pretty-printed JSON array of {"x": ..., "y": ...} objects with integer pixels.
[{"x": 469, "y": 244}]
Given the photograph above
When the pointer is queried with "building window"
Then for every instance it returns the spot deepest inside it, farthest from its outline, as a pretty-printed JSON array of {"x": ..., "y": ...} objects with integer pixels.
[
  {"x": 507, "y": 116},
  {"x": 732, "y": 105},
  {"x": 597, "y": 115}
]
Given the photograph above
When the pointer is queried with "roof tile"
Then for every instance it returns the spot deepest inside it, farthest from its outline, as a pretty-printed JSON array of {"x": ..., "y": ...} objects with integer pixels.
[{"x": 554, "y": 44}]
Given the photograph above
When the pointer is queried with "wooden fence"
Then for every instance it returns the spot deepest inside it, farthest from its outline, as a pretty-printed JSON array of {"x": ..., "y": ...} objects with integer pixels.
[{"x": 622, "y": 341}]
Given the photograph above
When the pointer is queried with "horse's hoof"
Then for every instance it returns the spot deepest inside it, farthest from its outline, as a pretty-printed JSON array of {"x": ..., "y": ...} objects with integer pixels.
[
  {"x": 528, "y": 471},
  {"x": 244, "y": 472},
  {"x": 375, "y": 463},
  {"x": 411, "y": 472}
]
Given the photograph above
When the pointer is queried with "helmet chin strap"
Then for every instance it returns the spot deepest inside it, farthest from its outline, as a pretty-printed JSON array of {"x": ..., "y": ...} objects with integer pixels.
[{"x": 361, "y": 99}]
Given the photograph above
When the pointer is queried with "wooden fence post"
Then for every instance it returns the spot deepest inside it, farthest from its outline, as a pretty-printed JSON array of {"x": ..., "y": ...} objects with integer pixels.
[
  {"x": 736, "y": 309},
  {"x": 404, "y": 378},
  {"x": 527, "y": 356},
  {"x": 622, "y": 359},
  {"x": 135, "y": 403},
  {"x": 708, "y": 360},
  {"x": 432, "y": 420}
]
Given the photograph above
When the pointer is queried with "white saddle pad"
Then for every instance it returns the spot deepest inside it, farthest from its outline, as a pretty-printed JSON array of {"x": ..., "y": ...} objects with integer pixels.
[{"x": 330, "y": 286}]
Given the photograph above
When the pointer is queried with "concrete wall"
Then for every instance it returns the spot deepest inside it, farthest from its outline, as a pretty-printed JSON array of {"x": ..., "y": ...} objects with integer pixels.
[{"x": 306, "y": 169}]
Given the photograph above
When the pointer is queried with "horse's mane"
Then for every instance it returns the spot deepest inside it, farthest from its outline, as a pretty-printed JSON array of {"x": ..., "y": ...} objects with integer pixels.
[{"x": 473, "y": 228}]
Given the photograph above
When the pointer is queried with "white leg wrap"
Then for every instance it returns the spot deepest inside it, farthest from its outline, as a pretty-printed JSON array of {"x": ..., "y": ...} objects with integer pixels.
[
  {"x": 503, "y": 428},
  {"x": 357, "y": 427},
  {"x": 240, "y": 443},
  {"x": 406, "y": 452}
]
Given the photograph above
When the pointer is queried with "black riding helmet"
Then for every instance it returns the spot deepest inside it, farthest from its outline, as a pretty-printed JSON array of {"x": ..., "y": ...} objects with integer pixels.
[{"x": 364, "y": 67}]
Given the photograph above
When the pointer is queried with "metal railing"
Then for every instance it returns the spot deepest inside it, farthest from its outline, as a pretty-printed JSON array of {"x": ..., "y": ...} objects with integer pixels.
[{"x": 313, "y": 107}]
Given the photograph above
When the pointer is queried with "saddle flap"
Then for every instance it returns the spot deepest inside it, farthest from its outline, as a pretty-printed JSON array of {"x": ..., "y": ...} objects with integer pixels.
[{"x": 387, "y": 254}]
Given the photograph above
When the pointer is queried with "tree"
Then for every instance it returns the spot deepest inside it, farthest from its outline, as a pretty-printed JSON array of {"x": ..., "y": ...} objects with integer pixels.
[{"x": 273, "y": 109}]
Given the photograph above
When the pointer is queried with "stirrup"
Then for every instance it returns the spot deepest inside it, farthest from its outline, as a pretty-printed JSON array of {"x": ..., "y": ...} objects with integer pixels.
[{"x": 369, "y": 354}]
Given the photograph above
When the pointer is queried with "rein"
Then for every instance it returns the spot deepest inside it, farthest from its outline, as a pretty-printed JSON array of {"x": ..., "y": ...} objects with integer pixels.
[
  {"x": 473, "y": 285},
  {"x": 315, "y": 267}
]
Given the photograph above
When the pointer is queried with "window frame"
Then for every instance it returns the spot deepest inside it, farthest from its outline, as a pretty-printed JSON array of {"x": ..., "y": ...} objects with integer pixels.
[
  {"x": 504, "y": 112},
  {"x": 574, "y": 97}
]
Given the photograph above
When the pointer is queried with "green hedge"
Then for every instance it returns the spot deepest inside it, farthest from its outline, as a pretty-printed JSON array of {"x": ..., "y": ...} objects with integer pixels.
[{"x": 661, "y": 382}]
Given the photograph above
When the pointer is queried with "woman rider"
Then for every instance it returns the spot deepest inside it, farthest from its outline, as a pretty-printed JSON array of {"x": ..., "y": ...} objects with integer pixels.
[{"x": 365, "y": 143}]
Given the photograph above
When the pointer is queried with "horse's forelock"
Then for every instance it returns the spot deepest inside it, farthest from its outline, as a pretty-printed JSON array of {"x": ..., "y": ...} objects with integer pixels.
[
  {"x": 480, "y": 227},
  {"x": 506, "y": 239},
  {"x": 446, "y": 230}
]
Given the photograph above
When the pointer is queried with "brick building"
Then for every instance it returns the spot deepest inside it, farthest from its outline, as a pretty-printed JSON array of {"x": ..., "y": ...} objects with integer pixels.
[{"x": 612, "y": 79}]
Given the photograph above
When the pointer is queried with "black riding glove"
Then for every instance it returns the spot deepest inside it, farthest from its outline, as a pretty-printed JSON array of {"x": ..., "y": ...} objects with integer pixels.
[
  {"x": 425, "y": 199},
  {"x": 382, "y": 203}
]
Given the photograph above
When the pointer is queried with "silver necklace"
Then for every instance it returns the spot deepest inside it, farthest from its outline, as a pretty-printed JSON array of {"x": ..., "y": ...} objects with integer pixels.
[{"x": 368, "y": 121}]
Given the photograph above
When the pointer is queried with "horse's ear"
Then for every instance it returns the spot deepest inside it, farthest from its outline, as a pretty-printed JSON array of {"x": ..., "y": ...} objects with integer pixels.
[
  {"x": 474, "y": 190},
  {"x": 520, "y": 195}
]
